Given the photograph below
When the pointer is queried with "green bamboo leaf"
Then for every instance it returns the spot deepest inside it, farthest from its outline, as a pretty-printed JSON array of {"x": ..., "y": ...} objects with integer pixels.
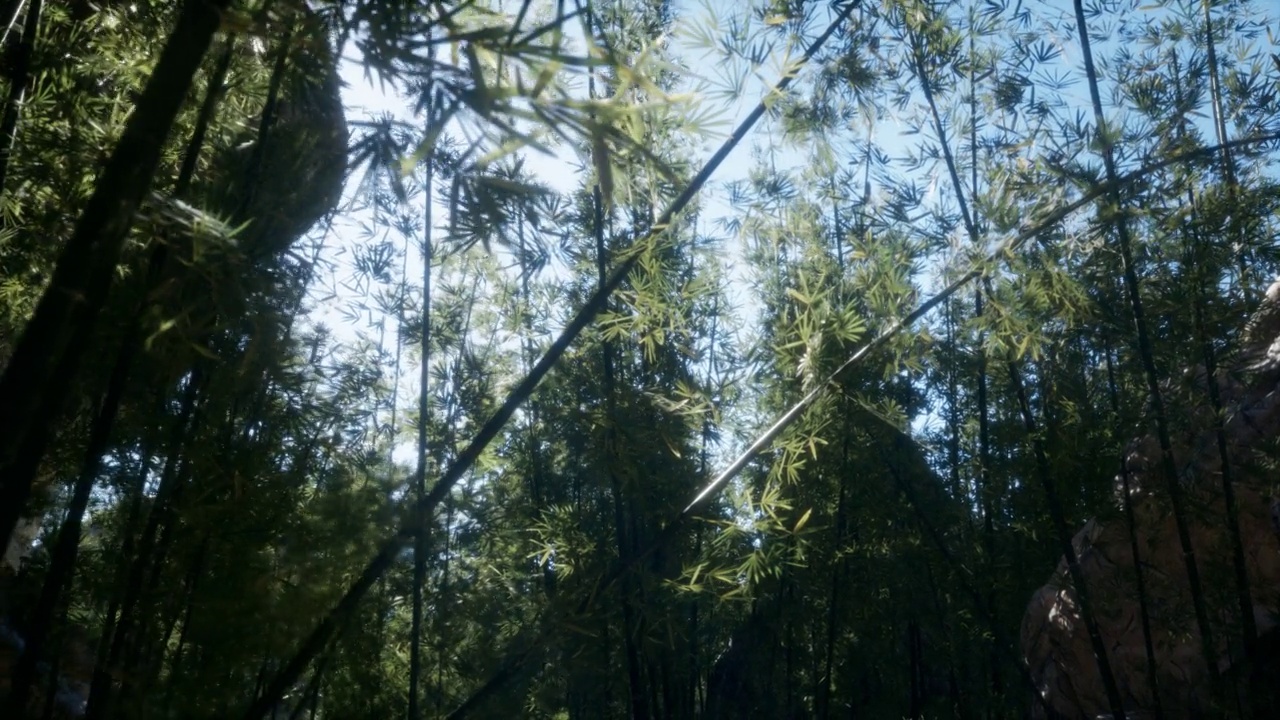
[{"x": 804, "y": 520}]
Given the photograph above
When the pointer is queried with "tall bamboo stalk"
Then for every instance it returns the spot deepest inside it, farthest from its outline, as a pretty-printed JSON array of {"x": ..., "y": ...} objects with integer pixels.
[
  {"x": 1168, "y": 466},
  {"x": 1144, "y": 613},
  {"x": 1197, "y": 262},
  {"x": 46, "y": 359},
  {"x": 639, "y": 701},
  {"x": 420, "y": 475},
  {"x": 1056, "y": 512}
]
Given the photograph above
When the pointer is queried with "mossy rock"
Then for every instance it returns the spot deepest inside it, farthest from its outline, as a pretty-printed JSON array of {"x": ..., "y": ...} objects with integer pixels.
[{"x": 284, "y": 183}]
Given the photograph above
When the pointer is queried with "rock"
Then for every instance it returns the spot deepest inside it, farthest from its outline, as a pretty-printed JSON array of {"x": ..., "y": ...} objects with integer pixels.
[
  {"x": 295, "y": 178},
  {"x": 1053, "y": 639}
]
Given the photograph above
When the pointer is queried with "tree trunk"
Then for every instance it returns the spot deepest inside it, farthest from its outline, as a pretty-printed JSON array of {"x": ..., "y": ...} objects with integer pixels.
[
  {"x": 1200, "y": 293},
  {"x": 837, "y": 583},
  {"x": 1139, "y": 579},
  {"x": 639, "y": 703},
  {"x": 1168, "y": 464},
  {"x": 65, "y": 552},
  {"x": 915, "y": 707},
  {"x": 1059, "y": 518},
  {"x": 420, "y": 475},
  {"x": 132, "y": 588},
  {"x": 46, "y": 359}
]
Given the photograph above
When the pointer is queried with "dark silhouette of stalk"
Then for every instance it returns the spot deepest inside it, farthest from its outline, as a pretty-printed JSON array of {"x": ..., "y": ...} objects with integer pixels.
[
  {"x": 126, "y": 553},
  {"x": 833, "y": 595},
  {"x": 390, "y": 549},
  {"x": 1168, "y": 466},
  {"x": 1144, "y": 615},
  {"x": 20, "y": 81},
  {"x": 46, "y": 359},
  {"x": 312, "y": 693},
  {"x": 166, "y": 493},
  {"x": 986, "y": 493},
  {"x": 131, "y": 641},
  {"x": 1198, "y": 264},
  {"x": 528, "y": 354},
  {"x": 137, "y": 645},
  {"x": 1059, "y": 518},
  {"x": 157, "y": 266},
  {"x": 953, "y": 405},
  {"x": 452, "y": 411},
  {"x": 176, "y": 665},
  {"x": 958, "y": 707},
  {"x": 636, "y": 690},
  {"x": 253, "y": 172},
  {"x": 1046, "y": 480},
  {"x": 420, "y": 475},
  {"x": 838, "y": 579},
  {"x": 64, "y": 556},
  {"x": 1248, "y": 624},
  {"x": 1220, "y": 131},
  {"x": 915, "y": 691},
  {"x": 823, "y": 700},
  {"x": 696, "y": 696}
]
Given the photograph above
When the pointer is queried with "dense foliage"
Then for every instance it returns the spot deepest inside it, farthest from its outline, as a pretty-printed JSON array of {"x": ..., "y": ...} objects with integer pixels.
[{"x": 500, "y": 405}]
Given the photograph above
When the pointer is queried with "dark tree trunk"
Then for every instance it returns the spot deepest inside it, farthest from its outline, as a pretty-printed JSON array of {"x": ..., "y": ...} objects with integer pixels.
[
  {"x": 1059, "y": 518},
  {"x": 311, "y": 694},
  {"x": 915, "y": 707},
  {"x": 63, "y": 559},
  {"x": 1144, "y": 615},
  {"x": 253, "y": 172},
  {"x": 181, "y": 615},
  {"x": 1146, "y": 354},
  {"x": 46, "y": 359},
  {"x": 1196, "y": 263},
  {"x": 420, "y": 475},
  {"x": 132, "y": 587},
  {"x": 837, "y": 583},
  {"x": 639, "y": 701},
  {"x": 123, "y": 564},
  {"x": 970, "y": 220},
  {"x": 139, "y": 646}
]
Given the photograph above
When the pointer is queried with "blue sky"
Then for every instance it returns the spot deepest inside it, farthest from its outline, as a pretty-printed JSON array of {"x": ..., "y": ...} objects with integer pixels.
[
  {"x": 562, "y": 172},
  {"x": 364, "y": 99}
]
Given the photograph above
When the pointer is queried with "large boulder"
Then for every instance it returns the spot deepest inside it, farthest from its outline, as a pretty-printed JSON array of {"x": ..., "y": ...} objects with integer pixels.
[{"x": 1053, "y": 638}]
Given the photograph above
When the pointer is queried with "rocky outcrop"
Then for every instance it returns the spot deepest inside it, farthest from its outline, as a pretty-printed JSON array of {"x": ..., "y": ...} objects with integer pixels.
[
  {"x": 286, "y": 181},
  {"x": 1053, "y": 637}
]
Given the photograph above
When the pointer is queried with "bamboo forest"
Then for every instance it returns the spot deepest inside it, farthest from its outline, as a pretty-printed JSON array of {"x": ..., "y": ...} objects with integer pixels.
[{"x": 639, "y": 359}]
